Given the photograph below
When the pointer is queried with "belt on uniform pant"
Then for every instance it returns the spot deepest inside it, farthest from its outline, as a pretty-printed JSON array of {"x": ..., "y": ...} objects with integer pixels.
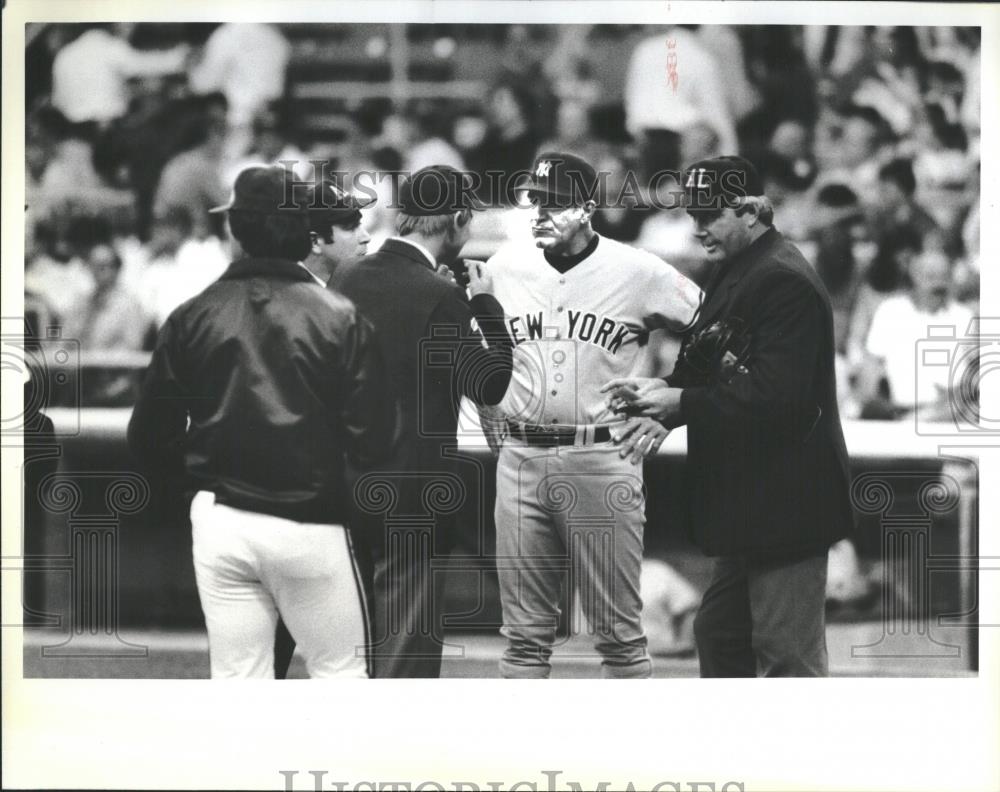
[{"x": 557, "y": 435}]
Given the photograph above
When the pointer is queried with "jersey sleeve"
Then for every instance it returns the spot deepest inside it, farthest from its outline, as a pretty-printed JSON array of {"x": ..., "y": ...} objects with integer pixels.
[{"x": 670, "y": 300}]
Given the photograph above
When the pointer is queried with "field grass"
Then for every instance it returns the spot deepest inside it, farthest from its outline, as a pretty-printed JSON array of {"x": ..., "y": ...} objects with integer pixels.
[{"x": 184, "y": 655}]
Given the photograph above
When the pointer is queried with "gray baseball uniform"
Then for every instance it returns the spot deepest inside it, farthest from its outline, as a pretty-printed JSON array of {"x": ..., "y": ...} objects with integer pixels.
[{"x": 567, "y": 504}]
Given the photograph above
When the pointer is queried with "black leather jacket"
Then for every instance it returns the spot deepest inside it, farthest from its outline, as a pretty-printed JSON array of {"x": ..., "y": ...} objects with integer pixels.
[{"x": 259, "y": 390}]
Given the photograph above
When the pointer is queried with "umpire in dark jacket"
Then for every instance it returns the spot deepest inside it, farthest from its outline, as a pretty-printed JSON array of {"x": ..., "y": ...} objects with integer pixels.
[
  {"x": 260, "y": 391},
  {"x": 767, "y": 467},
  {"x": 438, "y": 346}
]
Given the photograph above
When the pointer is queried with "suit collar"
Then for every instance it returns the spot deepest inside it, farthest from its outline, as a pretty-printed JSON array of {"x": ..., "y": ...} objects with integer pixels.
[
  {"x": 731, "y": 272},
  {"x": 281, "y": 269},
  {"x": 409, "y": 250},
  {"x": 738, "y": 265}
]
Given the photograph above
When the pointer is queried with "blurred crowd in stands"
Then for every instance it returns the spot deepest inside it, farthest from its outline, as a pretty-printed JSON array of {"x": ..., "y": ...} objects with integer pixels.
[{"x": 867, "y": 137}]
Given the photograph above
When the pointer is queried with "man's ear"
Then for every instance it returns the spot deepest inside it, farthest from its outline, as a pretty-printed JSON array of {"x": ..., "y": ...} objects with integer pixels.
[
  {"x": 589, "y": 207},
  {"x": 750, "y": 214},
  {"x": 314, "y": 242}
]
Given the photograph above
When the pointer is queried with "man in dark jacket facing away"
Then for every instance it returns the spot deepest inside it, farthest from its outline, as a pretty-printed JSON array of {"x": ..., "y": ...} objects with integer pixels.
[
  {"x": 258, "y": 391},
  {"x": 767, "y": 467},
  {"x": 423, "y": 322}
]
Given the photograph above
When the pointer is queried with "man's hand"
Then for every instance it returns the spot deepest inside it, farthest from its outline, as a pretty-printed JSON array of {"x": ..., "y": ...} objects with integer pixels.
[
  {"x": 445, "y": 272},
  {"x": 480, "y": 280},
  {"x": 640, "y": 437},
  {"x": 647, "y": 396}
]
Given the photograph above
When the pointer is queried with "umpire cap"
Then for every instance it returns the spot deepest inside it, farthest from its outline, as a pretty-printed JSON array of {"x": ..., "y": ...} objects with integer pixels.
[
  {"x": 711, "y": 185},
  {"x": 328, "y": 205},
  {"x": 437, "y": 190},
  {"x": 561, "y": 180},
  {"x": 268, "y": 189}
]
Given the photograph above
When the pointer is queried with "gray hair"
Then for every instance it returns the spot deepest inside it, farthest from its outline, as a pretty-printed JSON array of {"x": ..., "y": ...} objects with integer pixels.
[
  {"x": 429, "y": 225},
  {"x": 761, "y": 204}
]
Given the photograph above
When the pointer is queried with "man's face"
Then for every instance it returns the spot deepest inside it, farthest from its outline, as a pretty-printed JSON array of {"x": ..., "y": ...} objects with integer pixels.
[
  {"x": 556, "y": 228},
  {"x": 858, "y": 141},
  {"x": 722, "y": 235},
  {"x": 346, "y": 245},
  {"x": 459, "y": 233},
  {"x": 103, "y": 266},
  {"x": 891, "y": 196},
  {"x": 931, "y": 276}
]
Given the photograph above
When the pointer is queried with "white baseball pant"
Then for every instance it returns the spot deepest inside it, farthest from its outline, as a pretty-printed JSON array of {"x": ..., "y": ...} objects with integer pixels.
[{"x": 250, "y": 567}]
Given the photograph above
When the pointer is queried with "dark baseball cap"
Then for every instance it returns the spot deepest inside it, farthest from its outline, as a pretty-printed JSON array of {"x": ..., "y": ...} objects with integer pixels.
[
  {"x": 561, "y": 179},
  {"x": 328, "y": 205},
  {"x": 269, "y": 189},
  {"x": 437, "y": 190},
  {"x": 711, "y": 185}
]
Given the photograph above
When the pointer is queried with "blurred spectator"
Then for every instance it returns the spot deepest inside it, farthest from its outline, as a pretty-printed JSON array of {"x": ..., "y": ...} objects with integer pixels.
[
  {"x": 56, "y": 270},
  {"x": 941, "y": 165},
  {"x": 967, "y": 275},
  {"x": 723, "y": 42},
  {"x": 51, "y": 281},
  {"x": 63, "y": 167},
  {"x": 972, "y": 97},
  {"x": 788, "y": 168},
  {"x": 509, "y": 145},
  {"x": 669, "y": 604},
  {"x": 887, "y": 78},
  {"x": 849, "y": 149},
  {"x": 838, "y": 222},
  {"x": 945, "y": 86},
  {"x": 90, "y": 74},
  {"x": 833, "y": 49},
  {"x": 659, "y": 108},
  {"x": 889, "y": 383},
  {"x": 426, "y": 139},
  {"x": 619, "y": 215},
  {"x": 843, "y": 254},
  {"x": 193, "y": 179},
  {"x": 245, "y": 61},
  {"x": 42, "y": 40},
  {"x": 789, "y": 153},
  {"x": 270, "y": 144},
  {"x": 777, "y": 67},
  {"x": 885, "y": 276},
  {"x": 110, "y": 317},
  {"x": 379, "y": 219},
  {"x": 181, "y": 265},
  {"x": 573, "y": 129},
  {"x": 159, "y": 126},
  {"x": 523, "y": 65},
  {"x": 669, "y": 232},
  {"x": 897, "y": 206},
  {"x": 38, "y": 144},
  {"x": 575, "y": 89}
]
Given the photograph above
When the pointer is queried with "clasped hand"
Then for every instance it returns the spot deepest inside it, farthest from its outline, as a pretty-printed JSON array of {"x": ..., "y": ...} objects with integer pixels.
[{"x": 653, "y": 408}]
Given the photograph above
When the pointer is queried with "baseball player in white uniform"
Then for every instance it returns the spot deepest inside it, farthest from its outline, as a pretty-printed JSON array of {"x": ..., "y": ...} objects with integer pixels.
[{"x": 569, "y": 508}]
